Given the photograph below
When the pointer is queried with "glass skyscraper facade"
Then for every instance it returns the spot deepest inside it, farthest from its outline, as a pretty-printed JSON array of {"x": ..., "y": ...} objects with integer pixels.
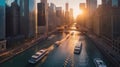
[
  {"x": 115, "y": 3},
  {"x": 8, "y": 2},
  {"x": 12, "y": 18},
  {"x": 2, "y": 19},
  {"x": 91, "y": 5},
  {"x": 18, "y": 2},
  {"x": 2, "y": 25},
  {"x": 32, "y": 17},
  {"x": 28, "y": 17}
]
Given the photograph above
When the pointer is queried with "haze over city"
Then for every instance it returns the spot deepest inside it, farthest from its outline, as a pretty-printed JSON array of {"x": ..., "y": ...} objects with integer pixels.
[
  {"x": 59, "y": 33},
  {"x": 72, "y": 4}
]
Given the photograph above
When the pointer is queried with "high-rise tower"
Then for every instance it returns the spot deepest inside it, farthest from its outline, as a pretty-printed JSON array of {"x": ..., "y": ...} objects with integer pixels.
[
  {"x": 2, "y": 25},
  {"x": 43, "y": 15},
  {"x": 67, "y": 6},
  {"x": 43, "y": 1},
  {"x": 91, "y": 5}
]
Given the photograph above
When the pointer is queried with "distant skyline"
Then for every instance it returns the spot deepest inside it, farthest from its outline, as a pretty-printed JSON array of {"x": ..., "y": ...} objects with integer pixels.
[
  {"x": 72, "y": 4},
  {"x": 61, "y": 3}
]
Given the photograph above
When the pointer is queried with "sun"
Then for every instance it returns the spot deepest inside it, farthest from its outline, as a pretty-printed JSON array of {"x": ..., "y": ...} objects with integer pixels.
[
  {"x": 77, "y": 12},
  {"x": 81, "y": 12}
]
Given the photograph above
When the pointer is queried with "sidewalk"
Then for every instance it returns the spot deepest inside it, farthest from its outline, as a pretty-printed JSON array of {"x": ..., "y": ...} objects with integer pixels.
[{"x": 104, "y": 48}]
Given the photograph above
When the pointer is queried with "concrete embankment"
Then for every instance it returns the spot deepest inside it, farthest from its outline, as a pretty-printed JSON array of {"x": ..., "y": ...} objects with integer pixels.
[
  {"x": 12, "y": 53},
  {"x": 102, "y": 46}
]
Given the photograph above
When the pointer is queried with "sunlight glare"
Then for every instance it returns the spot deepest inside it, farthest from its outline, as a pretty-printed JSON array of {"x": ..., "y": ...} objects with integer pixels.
[
  {"x": 77, "y": 12},
  {"x": 81, "y": 12}
]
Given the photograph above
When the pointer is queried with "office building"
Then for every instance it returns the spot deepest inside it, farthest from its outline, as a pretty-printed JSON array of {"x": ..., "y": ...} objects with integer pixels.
[
  {"x": 15, "y": 17},
  {"x": 42, "y": 16},
  {"x": 115, "y": 3},
  {"x": 52, "y": 17},
  {"x": 28, "y": 18},
  {"x": 67, "y": 7},
  {"x": 71, "y": 12},
  {"x": 2, "y": 25},
  {"x": 67, "y": 13},
  {"x": 106, "y": 25},
  {"x": 91, "y": 5},
  {"x": 52, "y": 7},
  {"x": 44, "y": 1},
  {"x": 58, "y": 11},
  {"x": 82, "y": 6},
  {"x": 71, "y": 15},
  {"x": 13, "y": 27},
  {"x": 111, "y": 3}
]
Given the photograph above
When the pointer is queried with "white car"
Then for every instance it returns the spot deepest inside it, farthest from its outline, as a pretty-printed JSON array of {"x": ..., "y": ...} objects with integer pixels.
[
  {"x": 99, "y": 63},
  {"x": 78, "y": 48},
  {"x": 38, "y": 56},
  {"x": 50, "y": 37},
  {"x": 57, "y": 43}
]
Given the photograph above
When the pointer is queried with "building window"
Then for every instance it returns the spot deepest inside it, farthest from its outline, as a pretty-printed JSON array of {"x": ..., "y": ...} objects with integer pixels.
[
  {"x": 115, "y": 50},
  {"x": 119, "y": 46},
  {"x": 2, "y": 46},
  {"x": 113, "y": 47},
  {"x": 115, "y": 3}
]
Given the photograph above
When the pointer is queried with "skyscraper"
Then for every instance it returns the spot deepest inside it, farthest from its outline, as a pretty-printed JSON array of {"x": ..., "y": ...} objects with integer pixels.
[
  {"x": 71, "y": 15},
  {"x": 82, "y": 6},
  {"x": 15, "y": 11},
  {"x": 43, "y": 15},
  {"x": 2, "y": 25},
  {"x": 44, "y": 1},
  {"x": 111, "y": 3},
  {"x": 32, "y": 18},
  {"x": 58, "y": 11},
  {"x": 52, "y": 7},
  {"x": 13, "y": 27},
  {"x": 91, "y": 5},
  {"x": 28, "y": 17},
  {"x": 67, "y": 6},
  {"x": 119, "y": 3},
  {"x": 2, "y": 19},
  {"x": 52, "y": 17},
  {"x": 103, "y": 2},
  {"x": 107, "y": 21},
  {"x": 18, "y": 2},
  {"x": 115, "y": 3},
  {"x": 71, "y": 12},
  {"x": 67, "y": 13},
  {"x": 91, "y": 8}
]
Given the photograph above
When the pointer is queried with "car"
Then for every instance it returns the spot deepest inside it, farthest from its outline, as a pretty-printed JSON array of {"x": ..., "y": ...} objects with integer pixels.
[
  {"x": 67, "y": 37},
  {"x": 78, "y": 48},
  {"x": 57, "y": 43},
  {"x": 50, "y": 37},
  {"x": 99, "y": 62},
  {"x": 38, "y": 56}
]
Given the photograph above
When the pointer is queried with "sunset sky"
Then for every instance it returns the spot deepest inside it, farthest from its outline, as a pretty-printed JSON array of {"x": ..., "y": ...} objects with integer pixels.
[{"x": 72, "y": 4}]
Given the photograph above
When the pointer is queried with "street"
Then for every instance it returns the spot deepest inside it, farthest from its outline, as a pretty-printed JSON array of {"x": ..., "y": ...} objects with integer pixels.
[{"x": 61, "y": 56}]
